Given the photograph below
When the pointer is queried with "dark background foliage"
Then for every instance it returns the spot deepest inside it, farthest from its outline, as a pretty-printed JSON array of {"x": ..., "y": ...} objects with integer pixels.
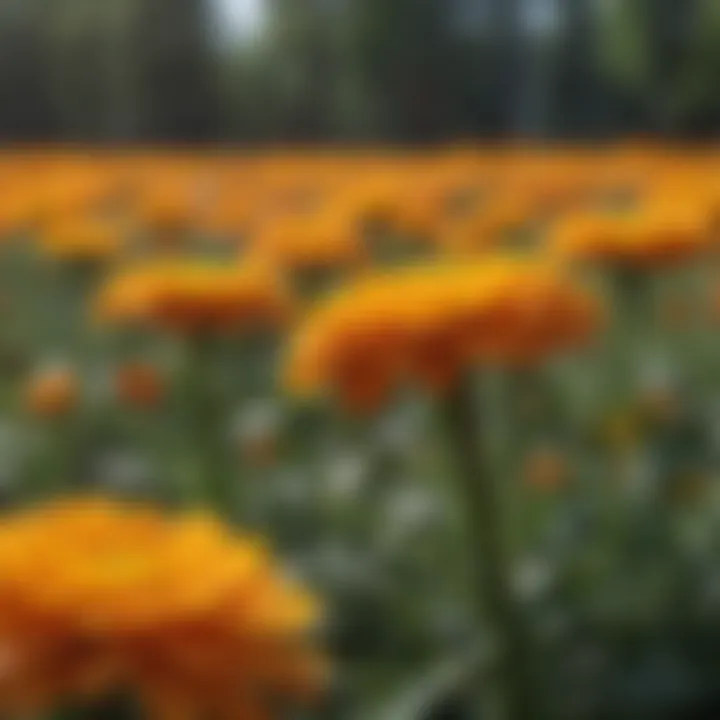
[{"x": 358, "y": 70}]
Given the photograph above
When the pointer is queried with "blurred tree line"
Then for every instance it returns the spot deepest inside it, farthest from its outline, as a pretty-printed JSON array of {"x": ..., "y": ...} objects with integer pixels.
[{"x": 394, "y": 70}]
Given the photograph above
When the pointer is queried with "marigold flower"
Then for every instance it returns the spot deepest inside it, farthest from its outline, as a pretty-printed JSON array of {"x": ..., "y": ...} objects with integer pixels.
[
  {"x": 229, "y": 218},
  {"x": 648, "y": 238},
  {"x": 98, "y": 597},
  {"x": 426, "y": 199},
  {"x": 419, "y": 214},
  {"x": 167, "y": 215},
  {"x": 82, "y": 240},
  {"x": 52, "y": 393},
  {"x": 139, "y": 385},
  {"x": 18, "y": 212},
  {"x": 193, "y": 296},
  {"x": 429, "y": 323},
  {"x": 326, "y": 241},
  {"x": 488, "y": 227}
]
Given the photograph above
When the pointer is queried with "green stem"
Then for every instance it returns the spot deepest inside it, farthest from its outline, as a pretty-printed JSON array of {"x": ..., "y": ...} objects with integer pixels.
[
  {"x": 210, "y": 482},
  {"x": 511, "y": 683}
]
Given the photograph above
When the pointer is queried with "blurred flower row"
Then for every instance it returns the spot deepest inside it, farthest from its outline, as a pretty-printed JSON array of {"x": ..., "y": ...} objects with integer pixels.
[{"x": 469, "y": 396}]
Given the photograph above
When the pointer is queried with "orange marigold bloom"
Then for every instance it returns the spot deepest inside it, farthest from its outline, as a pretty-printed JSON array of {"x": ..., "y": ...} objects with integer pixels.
[
  {"x": 98, "y": 597},
  {"x": 419, "y": 210},
  {"x": 18, "y": 212},
  {"x": 139, "y": 385},
  {"x": 229, "y": 218},
  {"x": 167, "y": 214},
  {"x": 194, "y": 296},
  {"x": 82, "y": 240},
  {"x": 429, "y": 323},
  {"x": 329, "y": 240},
  {"x": 52, "y": 393},
  {"x": 488, "y": 226},
  {"x": 655, "y": 236}
]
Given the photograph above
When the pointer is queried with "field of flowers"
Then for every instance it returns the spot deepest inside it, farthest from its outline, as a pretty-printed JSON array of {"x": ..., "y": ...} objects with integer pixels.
[{"x": 364, "y": 436}]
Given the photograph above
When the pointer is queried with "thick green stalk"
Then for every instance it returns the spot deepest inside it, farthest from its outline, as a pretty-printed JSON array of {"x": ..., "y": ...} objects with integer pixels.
[
  {"x": 634, "y": 329},
  {"x": 511, "y": 685},
  {"x": 210, "y": 481}
]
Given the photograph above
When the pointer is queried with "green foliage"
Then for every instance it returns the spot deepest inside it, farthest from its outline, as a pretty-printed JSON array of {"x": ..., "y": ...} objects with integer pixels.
[
  {"x": 625, "y": 44},
  {"x": 405, "y": 70},
  {"x": 663, "y": 59}
]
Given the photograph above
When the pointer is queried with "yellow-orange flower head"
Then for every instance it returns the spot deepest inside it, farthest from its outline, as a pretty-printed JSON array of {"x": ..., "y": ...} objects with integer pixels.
[
  {"x": 330, "y": 241},
  {"x": 652, "y": 237},
  {"x": 429, "y": 323},
  {"x": 82, "y": 240},
  {"x": 193, "y": 296},
  {"x": 167, "y": 214},
  {"x": 52, "y": 393},
  {"x": 98, "y": 597}
]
